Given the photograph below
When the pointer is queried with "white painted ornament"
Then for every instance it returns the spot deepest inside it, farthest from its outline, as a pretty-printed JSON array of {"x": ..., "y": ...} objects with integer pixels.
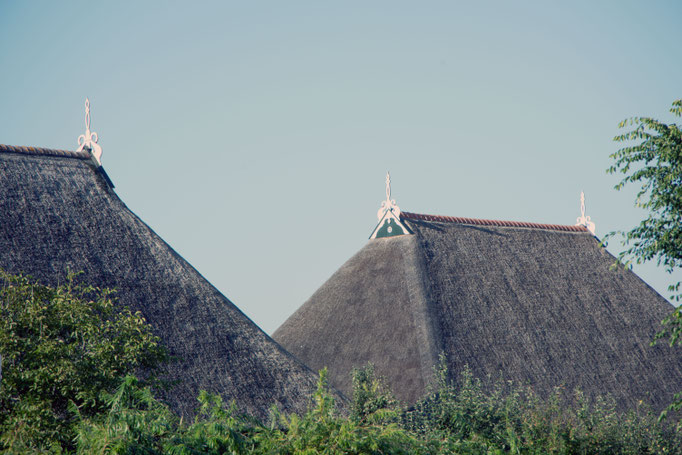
[
  {"x": 389, "y": 204},
  {"x": 582, "y": 219},
  {"x": 89, "y": 139},
  {"x": 389, "y": 216}
]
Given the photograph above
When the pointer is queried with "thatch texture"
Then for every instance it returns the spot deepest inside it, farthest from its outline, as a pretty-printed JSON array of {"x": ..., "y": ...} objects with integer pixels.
[
  {"x": 58, "y": 214},
  {"x": 538, "y": 305},
  {"x": 366, "y": 311}
]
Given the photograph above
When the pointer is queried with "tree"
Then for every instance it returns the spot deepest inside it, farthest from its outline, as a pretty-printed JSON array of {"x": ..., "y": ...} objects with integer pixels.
[
  {"x": 61, "y": 348},
  {"x": 655, "y": 163},
  {"x": 372, "y": 398}
]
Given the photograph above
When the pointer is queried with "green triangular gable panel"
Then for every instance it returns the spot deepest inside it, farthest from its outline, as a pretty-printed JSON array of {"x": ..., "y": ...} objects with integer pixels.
[
  {"x": 389, "y": 226},
  {"x": 390, "y": 229}
]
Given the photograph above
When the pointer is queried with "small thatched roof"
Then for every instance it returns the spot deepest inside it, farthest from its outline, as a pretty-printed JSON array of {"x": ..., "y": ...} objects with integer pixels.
[
  {"x": 59, "y": 213},
  {"x": 537, "y": 304}
]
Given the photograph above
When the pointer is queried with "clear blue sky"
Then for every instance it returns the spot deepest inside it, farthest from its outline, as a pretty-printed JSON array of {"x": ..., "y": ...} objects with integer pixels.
[{"x": 254, "y": 137}]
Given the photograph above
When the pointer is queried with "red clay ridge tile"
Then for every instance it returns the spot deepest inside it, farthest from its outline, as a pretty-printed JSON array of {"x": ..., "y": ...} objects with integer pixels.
[
  {"x": 477, "y": 222},
  {"x": 43, "y": 151}
]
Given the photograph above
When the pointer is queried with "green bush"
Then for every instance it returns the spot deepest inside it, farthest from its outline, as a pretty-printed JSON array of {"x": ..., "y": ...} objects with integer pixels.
[
  {"x": 61, "y": 348},
  {"x": 67, "y": 387},
  {"x": 504, "y": 418}
]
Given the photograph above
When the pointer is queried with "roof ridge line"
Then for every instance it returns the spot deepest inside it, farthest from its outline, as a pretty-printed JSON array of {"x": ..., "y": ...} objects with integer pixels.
[
  {"x": 43, "y": 151},
  {"x": 500, "y": 223}
]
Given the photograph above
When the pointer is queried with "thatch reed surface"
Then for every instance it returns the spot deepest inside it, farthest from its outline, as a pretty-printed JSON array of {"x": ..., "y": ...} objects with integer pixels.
[
  {"x": 58, "y": 214},
  {"x": 537, "y": 306},
  {"x": 364, "y": 312}
]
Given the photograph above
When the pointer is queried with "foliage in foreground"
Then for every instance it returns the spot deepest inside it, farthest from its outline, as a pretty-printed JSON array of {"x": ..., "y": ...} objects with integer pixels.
[
  {"x": 503, "y": 418},
  {"x": 136, "y": 423},
  {"x": 461, "y": 418},
  {"x": 61, "y": 348},
  {"x": 653, "y": 160},
  {"x": 67, "y": 388}
]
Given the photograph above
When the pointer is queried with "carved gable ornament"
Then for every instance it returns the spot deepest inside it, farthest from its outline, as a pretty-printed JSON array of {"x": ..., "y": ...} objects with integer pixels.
[
  {"x": 88, "y": 141},
  {"x": 389, "y": 217},
  {"x": 583, "y": 220}
]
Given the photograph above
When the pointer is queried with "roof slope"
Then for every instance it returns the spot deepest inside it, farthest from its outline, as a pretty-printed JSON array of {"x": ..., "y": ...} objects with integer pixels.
[
  {"x": 535, "y": 303},
  {"x": 58, "y": 214},
  {"x": 370, "y": 309}
]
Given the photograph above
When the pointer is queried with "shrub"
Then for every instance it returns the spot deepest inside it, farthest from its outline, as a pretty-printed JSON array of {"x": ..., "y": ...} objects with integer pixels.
[{"x": 61, "y": 347}]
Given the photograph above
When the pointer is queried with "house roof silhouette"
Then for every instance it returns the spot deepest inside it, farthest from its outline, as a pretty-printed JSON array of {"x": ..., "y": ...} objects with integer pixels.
[
  {"x": 538, "y": 304},
  {"x": 59, "y": 213}
]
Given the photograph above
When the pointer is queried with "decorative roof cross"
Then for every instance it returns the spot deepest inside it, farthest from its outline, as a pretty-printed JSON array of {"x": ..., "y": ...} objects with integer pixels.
[
  {"x": 89, "y": 139},
  {"x": 582, "y": 219}
]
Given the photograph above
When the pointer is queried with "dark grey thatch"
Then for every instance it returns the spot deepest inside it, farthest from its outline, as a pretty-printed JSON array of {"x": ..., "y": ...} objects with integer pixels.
[
  {"x": 537, "y": 304},
  {"x": 57, "y": 213}
]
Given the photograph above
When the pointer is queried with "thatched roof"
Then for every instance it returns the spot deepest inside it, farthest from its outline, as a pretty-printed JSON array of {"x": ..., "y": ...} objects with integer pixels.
[
  {"x": 58, "y": 213},
  {"x": 537, "y": 304}
]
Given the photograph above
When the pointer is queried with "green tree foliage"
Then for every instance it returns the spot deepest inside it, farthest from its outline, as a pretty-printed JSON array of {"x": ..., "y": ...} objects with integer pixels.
[
  {"x": 67, "y": 388},
  {"x": 654, "y": 163},
  {"x": 456, "y": 418},
  {"x": 324, "y": 430},
  {"x": 372, "y": 399},
  {"x": 61, "y": 348},
  {"x": 135, "y": 424},
  {"x": 483, "y": 416}
]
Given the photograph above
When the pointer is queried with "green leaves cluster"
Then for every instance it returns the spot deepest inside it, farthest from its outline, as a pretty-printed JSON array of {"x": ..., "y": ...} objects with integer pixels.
[
  {"x": 485, "y": 416},
  {"x": 67, "y": 387},
  {"x": 136, "y": 424},
  {"x": 324, "y": 430},
  {"x": 61, "y": 348},
  {"x": 373, "y": 401},
  {"x": 654, "y": 163},
  {"x": 465, "y": 417}
]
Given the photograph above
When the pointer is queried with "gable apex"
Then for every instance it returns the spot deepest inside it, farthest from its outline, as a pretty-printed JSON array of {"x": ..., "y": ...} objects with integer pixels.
[{"x": 389, "y": 217}]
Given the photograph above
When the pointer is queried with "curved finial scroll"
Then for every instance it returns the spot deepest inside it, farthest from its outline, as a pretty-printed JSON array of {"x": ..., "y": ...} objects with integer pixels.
[
  {"x": 583, "y": 220},
  {"x": 389, "y": 204},
  {"x": 389, "y": 217},
  {"x": 89, "y": 139}
]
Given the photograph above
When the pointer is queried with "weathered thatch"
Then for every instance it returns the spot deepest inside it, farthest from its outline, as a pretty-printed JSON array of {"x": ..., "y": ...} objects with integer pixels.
[
  {"x": 537, "y": 304},
  {"x": 58, "y": 213}
]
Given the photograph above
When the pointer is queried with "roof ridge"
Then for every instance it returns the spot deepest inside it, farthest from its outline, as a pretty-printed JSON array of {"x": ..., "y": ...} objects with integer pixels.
[
  {"x": 43, "y": 151},
  {"x": 481, "y": 222}
]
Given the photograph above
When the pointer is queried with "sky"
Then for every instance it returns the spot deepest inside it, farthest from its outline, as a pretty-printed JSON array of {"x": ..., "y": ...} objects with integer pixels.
[{"x": 254, "y": 137}]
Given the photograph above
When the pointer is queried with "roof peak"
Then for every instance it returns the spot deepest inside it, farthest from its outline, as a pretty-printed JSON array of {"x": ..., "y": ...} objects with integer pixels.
[
  {"x": 497, "y": 223},
  {"x": 88, "y": 146},
  {"x": 88, "y": 141},
  {"x": 40, "y": 151},
  {"x": 585, "y": 221},
  {"x": 389, "y": 217}
]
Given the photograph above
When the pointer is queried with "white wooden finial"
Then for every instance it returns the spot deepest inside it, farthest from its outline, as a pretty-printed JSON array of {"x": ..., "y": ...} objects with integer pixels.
[
  {"x": 89, "y": 139},
  {"x": 582, "y": 219},
  {"x": 389, "y": 217},
  {"x": 389, "y": 204}
]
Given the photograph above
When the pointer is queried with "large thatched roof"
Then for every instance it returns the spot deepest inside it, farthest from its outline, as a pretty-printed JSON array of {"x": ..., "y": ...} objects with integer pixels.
[
  {"x": 59, "y": 213},
  {"x": 538, "y": 304}
]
